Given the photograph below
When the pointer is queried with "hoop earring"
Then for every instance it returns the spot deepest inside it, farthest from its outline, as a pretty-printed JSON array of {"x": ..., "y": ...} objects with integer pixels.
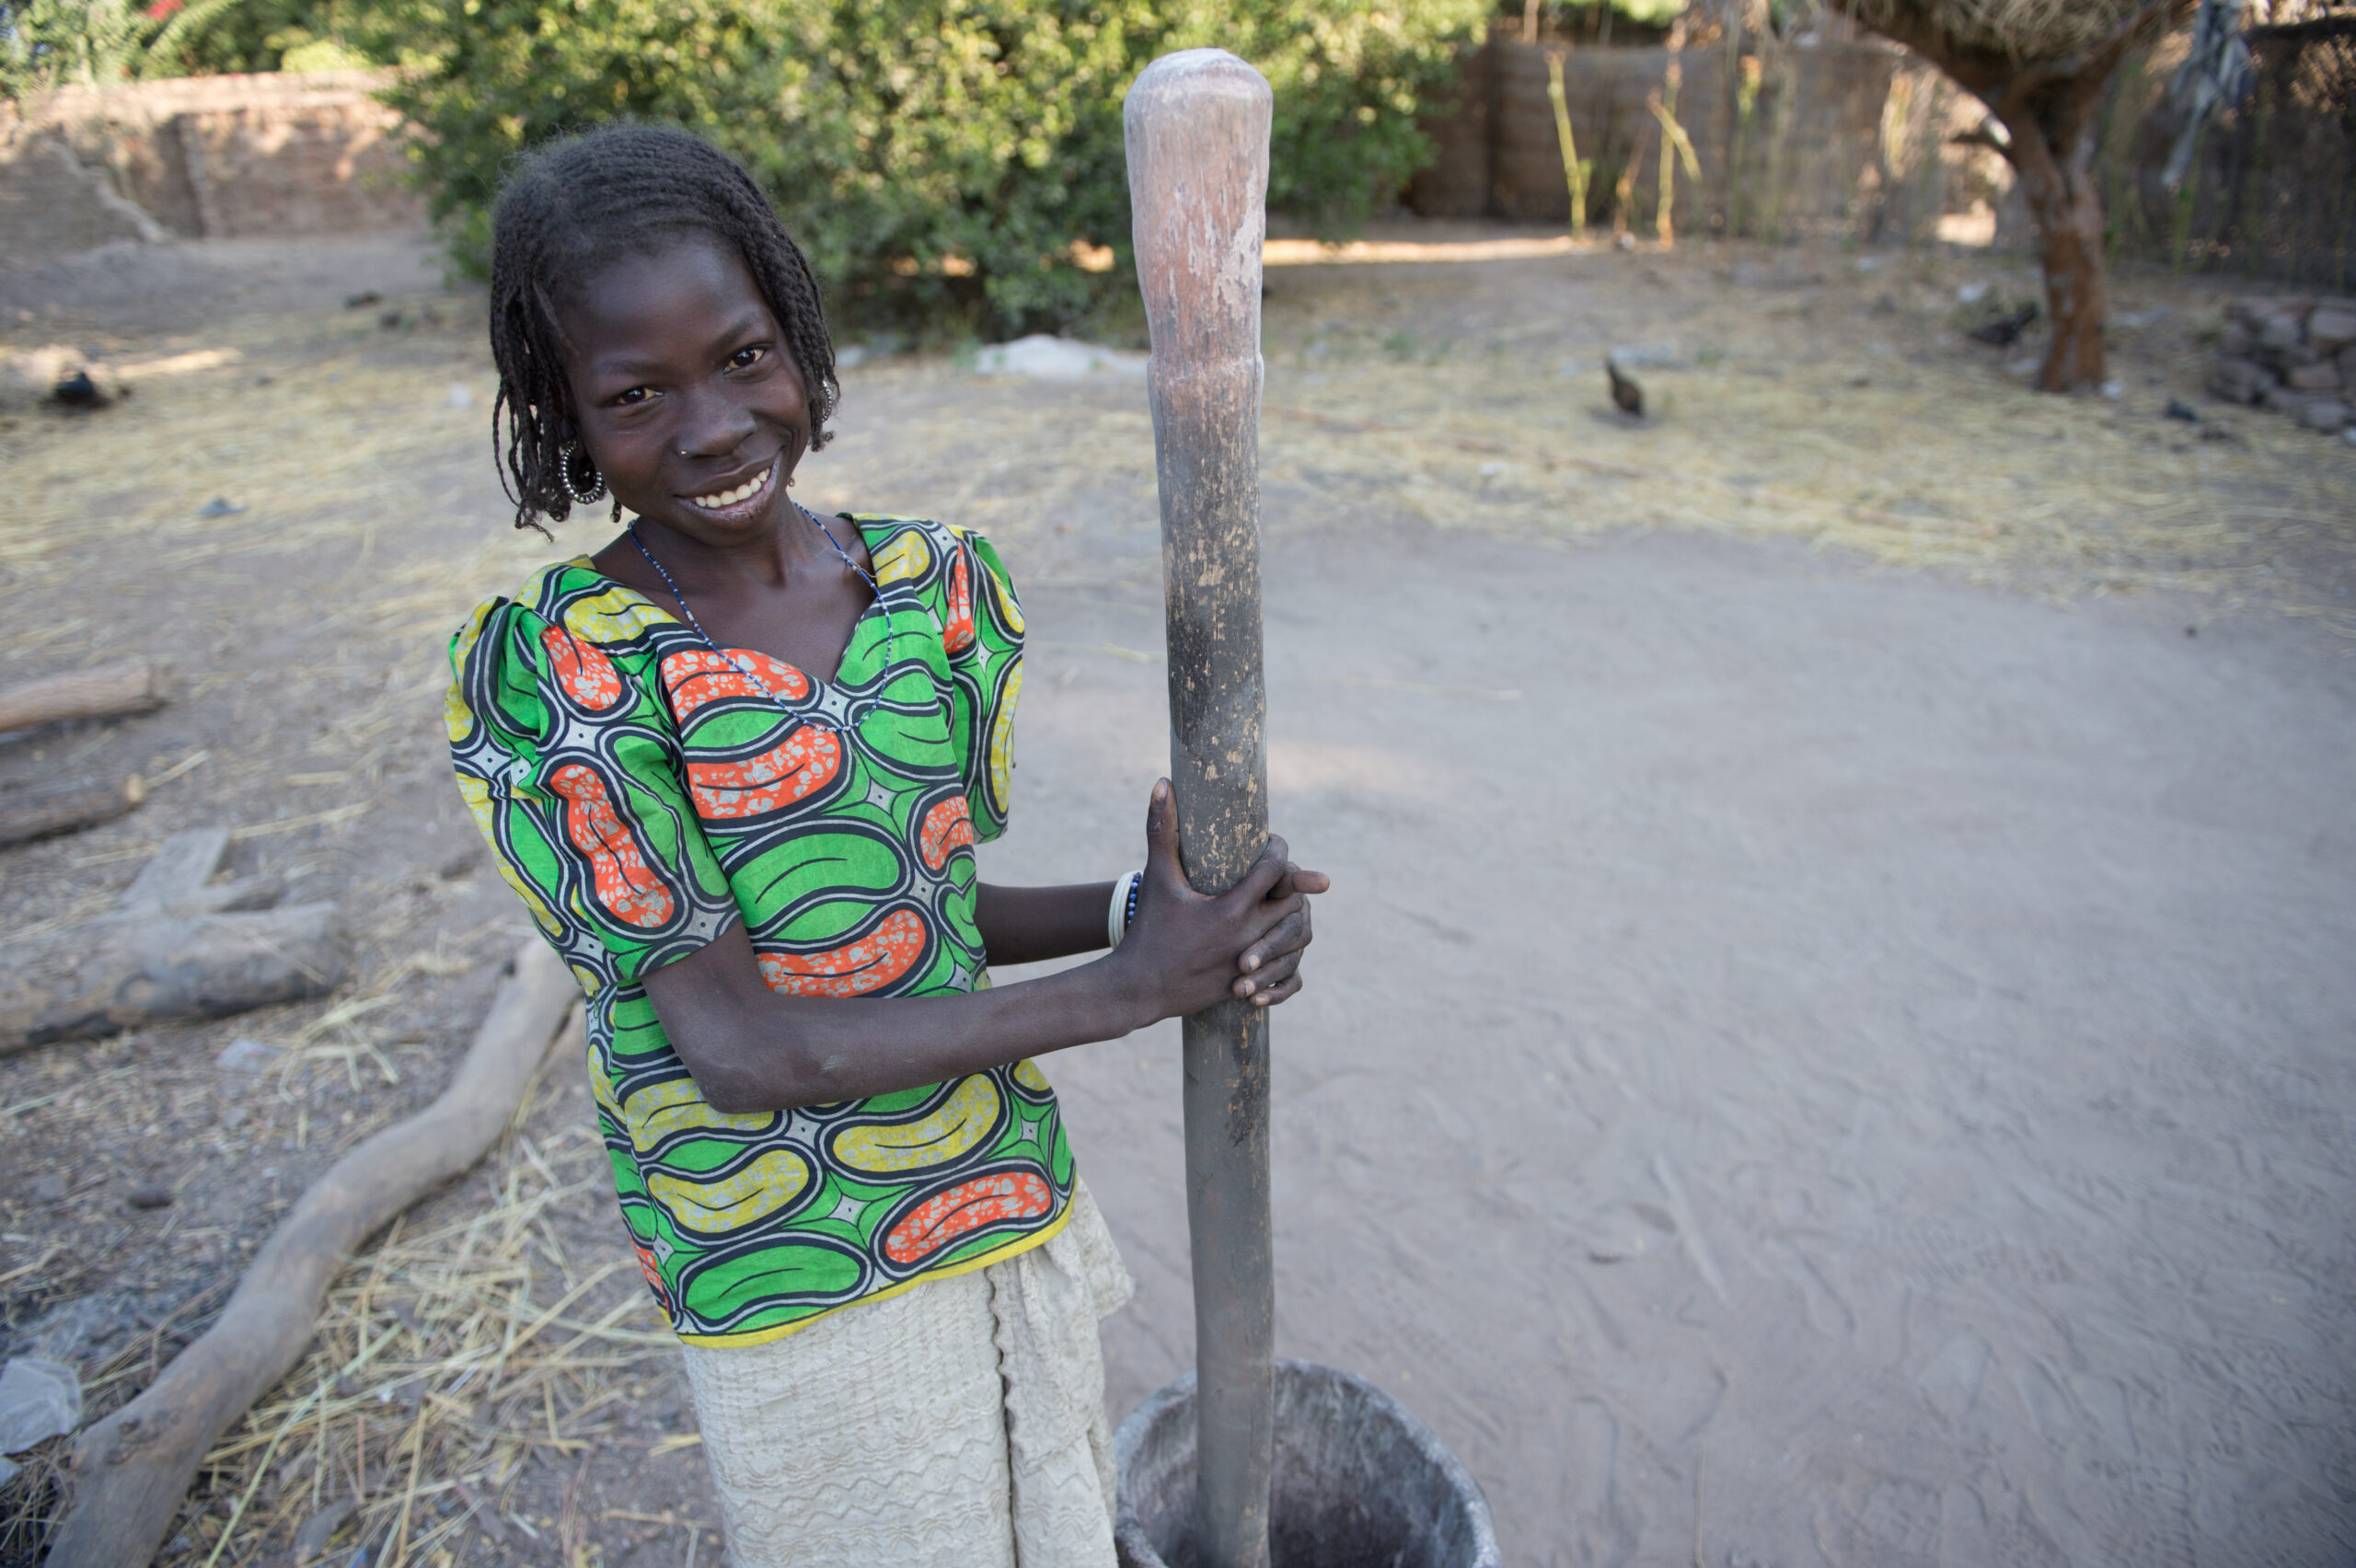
[{"x": 585, "y": 494}]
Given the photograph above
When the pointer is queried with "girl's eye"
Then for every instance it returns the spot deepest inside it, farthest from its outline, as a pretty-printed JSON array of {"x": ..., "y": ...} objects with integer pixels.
[
  {"x": 746, "y": 359},
  {"x": 633, "y": 398}
]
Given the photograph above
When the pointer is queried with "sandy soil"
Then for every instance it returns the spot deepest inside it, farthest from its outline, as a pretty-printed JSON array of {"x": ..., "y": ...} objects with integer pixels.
[{"x": 1807, "y": 1062}]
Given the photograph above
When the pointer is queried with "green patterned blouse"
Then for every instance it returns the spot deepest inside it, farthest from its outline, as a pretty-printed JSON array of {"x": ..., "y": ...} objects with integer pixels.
[{"x": 641, "y": 794}]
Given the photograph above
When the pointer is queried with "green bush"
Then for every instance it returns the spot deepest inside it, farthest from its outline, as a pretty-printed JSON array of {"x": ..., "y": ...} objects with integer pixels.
[
  {"x": 938, "y": 158},
  {"x": 46, "y": 44},
  {"x": 53, "y": 43}
]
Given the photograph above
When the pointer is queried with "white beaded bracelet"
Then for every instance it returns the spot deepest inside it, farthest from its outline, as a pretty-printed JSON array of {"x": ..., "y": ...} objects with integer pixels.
[{"x": 1116, "y": 918}]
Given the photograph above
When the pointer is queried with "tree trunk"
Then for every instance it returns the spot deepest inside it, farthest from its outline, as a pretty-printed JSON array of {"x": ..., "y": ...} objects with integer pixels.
[
  {"x": 2042, "y": 86},
  {"x": 2057, "y": 180}
]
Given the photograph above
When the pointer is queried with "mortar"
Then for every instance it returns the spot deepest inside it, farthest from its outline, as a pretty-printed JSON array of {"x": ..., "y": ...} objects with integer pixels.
[{"x": 1358, "y": 1481}]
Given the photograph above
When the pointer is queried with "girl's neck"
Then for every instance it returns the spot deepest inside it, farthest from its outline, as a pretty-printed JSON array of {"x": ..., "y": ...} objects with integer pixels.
[{"x": 772, "y": 558}]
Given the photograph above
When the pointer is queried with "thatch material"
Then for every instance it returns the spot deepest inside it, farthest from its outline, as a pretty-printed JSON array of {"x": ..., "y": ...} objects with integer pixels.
[{"x": 2023, "y": 30}]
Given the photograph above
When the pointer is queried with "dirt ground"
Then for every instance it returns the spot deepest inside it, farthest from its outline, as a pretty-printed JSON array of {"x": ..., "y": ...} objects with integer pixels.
[{"x": 1830, "y": 1043}]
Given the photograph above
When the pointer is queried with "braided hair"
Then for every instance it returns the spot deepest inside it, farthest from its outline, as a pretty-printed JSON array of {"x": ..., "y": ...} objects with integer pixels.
[{"x": 573, "y": 205}]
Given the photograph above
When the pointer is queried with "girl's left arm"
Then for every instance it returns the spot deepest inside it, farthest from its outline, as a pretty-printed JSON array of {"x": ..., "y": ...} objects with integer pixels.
[{"x": 1026, "y": 925}]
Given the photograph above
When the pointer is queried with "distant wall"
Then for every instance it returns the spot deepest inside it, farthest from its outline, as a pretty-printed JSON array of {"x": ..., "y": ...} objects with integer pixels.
[
  {"x": 200, "y": 157},
  {"x": 1841, "y": 139}
]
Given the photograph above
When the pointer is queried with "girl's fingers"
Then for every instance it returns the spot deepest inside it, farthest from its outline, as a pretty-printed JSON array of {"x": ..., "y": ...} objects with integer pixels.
[
  {"x": 1289, "y": 988},
  {"x": 1260, "y": 923},
  {"x": 1287, "y": 935},
  {"x": 1299, "y": 880},
  {"x": 1259, "y": 883},
  {"x": 1270, "y": 976},
  {"x": 1162, "y": 835}
]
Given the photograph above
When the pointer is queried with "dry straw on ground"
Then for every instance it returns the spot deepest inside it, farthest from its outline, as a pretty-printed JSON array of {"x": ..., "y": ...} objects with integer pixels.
[{"x": 448, "y": 1356}]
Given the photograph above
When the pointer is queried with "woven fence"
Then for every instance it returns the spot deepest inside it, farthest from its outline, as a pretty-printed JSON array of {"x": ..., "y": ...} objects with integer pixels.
[
  {"x": 2272, "y": 192},
  {"x": 1855, "y": 141}
]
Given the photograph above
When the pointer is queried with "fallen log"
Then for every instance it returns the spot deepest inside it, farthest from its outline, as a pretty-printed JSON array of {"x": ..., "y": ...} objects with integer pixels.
[
  {"x": 27, "y": 816},
  {"x": 135, "y": 685},
  {"x": 177, "y": 945},
  {"x": 130, "y": 1469}
]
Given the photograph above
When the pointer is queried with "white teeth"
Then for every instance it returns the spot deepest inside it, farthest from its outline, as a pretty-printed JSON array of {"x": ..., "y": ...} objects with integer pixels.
[{"x": 745, "y": 491}]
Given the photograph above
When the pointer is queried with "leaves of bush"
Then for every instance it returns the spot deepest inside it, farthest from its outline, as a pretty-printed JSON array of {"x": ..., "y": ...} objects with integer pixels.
[{"x": 938, "y": 158}]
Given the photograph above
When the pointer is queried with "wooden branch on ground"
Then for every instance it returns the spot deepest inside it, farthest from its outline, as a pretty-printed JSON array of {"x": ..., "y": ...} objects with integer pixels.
[
  {"x": 132, "y": 1469},
  {"x": 135, "y": 686},
  {"x": 177, "y": 945},
  {"x": 28, "y": 815}
]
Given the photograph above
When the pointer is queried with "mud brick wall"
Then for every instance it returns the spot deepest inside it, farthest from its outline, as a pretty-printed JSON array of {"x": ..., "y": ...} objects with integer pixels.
[
  {"x": 214, "y": 156},
  {"x": 322, "y": 168}
]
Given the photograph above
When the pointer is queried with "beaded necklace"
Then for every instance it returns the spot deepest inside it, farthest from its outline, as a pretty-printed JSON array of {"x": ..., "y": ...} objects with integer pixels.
[{"x": 746, "y": 670}]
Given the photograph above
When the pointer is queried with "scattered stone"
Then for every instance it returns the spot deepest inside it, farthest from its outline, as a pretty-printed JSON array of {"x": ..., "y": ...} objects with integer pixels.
[
  {"x": 50, "y": 1187},
  {"x": 2332, "y": 327},
  {"x": 2239, "y": 380},
  {"x": 72, "y": 1331},
  {"x": 246, "y": 1055},
  {"x": 39, "y": 1399},
  {"x": 220, "y": 506},
  {"x": 2180, "y": 409},
  {"x": 2295, "y": 357},
  {"x": 2279, "y": 333},
  {"x": 147, "y": 1196},
  {"x": 1042, "y": 357},
  {"x": 1648, "y": 356},
  {"x": 362, "y": 301}
]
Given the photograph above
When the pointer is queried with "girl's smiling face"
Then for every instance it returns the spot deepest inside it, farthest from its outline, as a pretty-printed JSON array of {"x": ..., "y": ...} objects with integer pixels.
[{"x": 686, "y": 397}]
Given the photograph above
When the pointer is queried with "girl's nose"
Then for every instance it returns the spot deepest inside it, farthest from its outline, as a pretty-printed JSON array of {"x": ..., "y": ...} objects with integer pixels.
[{"x": 713, "y": 425}]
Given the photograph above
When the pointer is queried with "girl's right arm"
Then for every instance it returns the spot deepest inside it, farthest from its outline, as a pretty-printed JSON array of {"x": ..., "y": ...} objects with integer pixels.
[{"x": 752, "y": 1050}]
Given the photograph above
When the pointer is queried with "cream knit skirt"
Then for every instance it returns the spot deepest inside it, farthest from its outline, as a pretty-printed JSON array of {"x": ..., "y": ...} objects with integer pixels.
[{"x": 960, "y": 1423}]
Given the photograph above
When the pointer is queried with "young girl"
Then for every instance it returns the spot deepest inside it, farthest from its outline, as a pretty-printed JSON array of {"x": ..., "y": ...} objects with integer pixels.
[{"x": 735, "y": 764}]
